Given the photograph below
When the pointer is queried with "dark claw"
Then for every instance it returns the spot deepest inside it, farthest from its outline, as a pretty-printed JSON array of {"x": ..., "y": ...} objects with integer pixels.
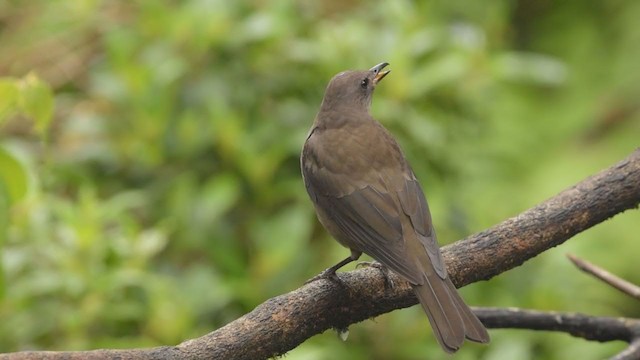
[{"x": 328, "y": 274}]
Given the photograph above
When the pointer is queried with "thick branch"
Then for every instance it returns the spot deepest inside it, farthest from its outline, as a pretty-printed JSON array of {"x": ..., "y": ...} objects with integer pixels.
[
  {"x": 282, "y": 323},
  {"x": 509, "y": 244}
]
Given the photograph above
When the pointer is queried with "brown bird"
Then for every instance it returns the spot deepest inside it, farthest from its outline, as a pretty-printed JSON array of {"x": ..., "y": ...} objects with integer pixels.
[{"x": 369, "y": 200}]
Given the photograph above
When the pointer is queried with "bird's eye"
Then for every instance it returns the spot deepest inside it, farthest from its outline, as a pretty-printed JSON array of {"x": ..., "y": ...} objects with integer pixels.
[{"x": 364, "y": 83}]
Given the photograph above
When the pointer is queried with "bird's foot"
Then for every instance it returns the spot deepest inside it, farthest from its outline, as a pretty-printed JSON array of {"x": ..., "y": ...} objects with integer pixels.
[
  {"x": 388, "y": 282},
  {"x": 328, "y": 274}
]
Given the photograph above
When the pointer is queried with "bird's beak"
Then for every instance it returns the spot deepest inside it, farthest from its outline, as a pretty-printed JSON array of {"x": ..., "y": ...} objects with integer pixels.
[{"x": 378, "y": 73}]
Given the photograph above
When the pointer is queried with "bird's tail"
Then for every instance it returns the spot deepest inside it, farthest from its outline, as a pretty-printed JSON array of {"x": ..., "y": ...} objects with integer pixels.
[{"x": 451, "y": 319}]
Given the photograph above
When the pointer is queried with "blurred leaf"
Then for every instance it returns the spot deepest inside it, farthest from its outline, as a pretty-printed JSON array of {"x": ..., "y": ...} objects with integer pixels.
[
  {"x": 36, "y": 100},
  {"x": 9, "y": 95},
  {"x": 13, "y": 176},
  {"x": 218, "y": 195},
  {"x": 533, "y": 68},
  {"x": 30, "y": 96}
]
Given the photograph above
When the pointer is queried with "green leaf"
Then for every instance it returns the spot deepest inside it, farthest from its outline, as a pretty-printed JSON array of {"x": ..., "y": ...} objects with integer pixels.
[
  {"x": 36, "y": 100},
  {"x": 9, "y": 95},
  {"x": 13, "y": 177}
]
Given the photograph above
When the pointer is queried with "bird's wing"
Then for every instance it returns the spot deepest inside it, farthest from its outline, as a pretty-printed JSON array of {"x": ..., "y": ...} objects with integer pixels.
[
  {"x": 370, "y": 215},
  {"x": 414, "y": 205}
]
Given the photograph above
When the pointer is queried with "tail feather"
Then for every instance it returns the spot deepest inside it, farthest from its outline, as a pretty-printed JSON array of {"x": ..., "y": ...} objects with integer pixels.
[
  {"x": 474, "y": 329},
  {"x": 450, "y": 318}
]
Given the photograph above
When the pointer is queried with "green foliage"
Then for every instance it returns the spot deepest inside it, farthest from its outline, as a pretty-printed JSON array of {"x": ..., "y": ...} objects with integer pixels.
[
  {"x": 32, "y": 97},
  {"x": 29, "y": 96},
  {"x": 167, "y": 199},
  {"x": 14, "y": 181}
]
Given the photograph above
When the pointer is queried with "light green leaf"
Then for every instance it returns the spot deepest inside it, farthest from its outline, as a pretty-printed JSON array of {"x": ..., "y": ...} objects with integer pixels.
[
  {"x": 36, "y": 100},
  {"x": 9, "y": 95},
  {"x": 13, "y": 177}
]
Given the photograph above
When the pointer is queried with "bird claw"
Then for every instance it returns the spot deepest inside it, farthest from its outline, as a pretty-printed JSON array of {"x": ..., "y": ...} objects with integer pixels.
[
  {"x": 388, "y": 282},
  {"x": 328, "y": 274}
]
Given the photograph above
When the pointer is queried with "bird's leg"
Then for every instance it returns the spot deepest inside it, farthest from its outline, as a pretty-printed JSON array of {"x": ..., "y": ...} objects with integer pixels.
[
  {"x": 330, "y": 273},
  {"x": 388, "y": 282}
]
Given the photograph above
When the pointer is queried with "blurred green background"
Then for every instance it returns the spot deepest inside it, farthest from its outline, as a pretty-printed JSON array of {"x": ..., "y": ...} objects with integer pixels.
[{"x": 161, "y": 197}]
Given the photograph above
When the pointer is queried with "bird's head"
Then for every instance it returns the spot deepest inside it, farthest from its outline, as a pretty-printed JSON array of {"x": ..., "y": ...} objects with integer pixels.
[{"x": 353, "y": 88}]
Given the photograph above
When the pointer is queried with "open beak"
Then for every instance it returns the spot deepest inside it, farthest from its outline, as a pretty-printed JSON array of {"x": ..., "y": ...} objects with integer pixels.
[{"x": 378, "y": 73}]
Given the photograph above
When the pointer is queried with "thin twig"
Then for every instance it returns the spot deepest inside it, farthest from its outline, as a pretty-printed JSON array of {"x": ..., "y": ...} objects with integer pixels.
[{"x": 602, "y": 274}]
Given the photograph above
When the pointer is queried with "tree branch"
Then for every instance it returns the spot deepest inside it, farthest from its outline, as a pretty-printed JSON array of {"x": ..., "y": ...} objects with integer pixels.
[
  {"x": 632, "y": 352},
  {"x": 509, "y": 244},
  {"x": 282, "y": 323},
  {"x": 595, "y": 328},
  {"x": 610, "y": 279}
]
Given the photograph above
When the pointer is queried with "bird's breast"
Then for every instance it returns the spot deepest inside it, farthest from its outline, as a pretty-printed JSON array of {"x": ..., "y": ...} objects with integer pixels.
[
  {"x": 354, "y": 149},
  {"x": 337, "y": 161}
]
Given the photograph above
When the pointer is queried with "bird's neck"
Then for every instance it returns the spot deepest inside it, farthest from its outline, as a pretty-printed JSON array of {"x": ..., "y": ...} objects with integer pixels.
[
  {"x": 344, "y": 103},
  {"x": 339, "y": 117}
]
